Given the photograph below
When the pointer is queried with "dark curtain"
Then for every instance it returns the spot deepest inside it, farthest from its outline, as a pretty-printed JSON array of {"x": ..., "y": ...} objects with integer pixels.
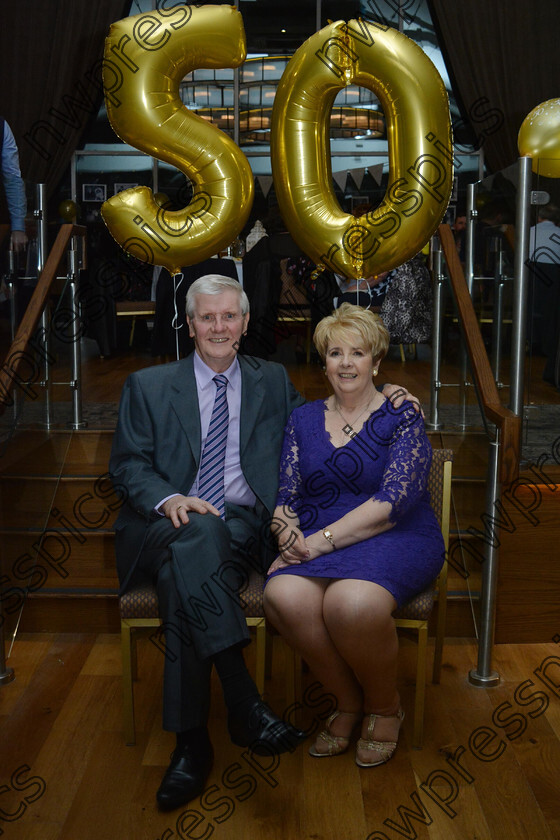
[
  {"x": 504, "y": 60},
  {"x": 50, "y": 58}
]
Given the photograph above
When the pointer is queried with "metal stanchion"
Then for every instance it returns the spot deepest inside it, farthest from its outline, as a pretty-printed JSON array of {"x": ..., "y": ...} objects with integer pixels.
[
  {"x": 483, "y": 675},
  {"x": 521, "y": 279},
  {"x": 469, "y": 277},
  {"x": 437, "y": 318},
  {"x": 76, "y": 361},
  {"x": 11, "y": 287},
  {"x": 497, "y": 314},
  {"x": 42, "y": 248},
  {"x": 472, "y": 215},
  {"x": 6, "y": 673}
]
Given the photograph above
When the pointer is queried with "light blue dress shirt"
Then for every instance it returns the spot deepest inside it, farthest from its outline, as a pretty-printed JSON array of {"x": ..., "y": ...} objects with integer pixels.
[
  {"x": 237, "y": 490},
  {"x": 13, "y": 182}
]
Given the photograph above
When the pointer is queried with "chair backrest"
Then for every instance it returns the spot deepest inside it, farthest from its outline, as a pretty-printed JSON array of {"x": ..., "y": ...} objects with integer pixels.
[{"x": 439, "y": 486}]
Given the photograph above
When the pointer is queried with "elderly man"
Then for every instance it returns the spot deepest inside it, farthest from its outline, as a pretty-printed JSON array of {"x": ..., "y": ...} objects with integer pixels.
[{"x": 196, "y": 449}]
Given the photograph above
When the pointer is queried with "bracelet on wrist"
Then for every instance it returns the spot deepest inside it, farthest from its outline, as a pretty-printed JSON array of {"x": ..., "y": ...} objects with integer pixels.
[{"x": 328, "y": 536}]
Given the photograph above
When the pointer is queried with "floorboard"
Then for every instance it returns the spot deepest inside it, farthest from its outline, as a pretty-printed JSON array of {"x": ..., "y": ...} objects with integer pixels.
[{"x": 488, "y": 769}]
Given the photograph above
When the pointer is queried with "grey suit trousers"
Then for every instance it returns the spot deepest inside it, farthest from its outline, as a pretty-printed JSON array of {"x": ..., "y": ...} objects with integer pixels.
[{"x": 198, "y": 570}]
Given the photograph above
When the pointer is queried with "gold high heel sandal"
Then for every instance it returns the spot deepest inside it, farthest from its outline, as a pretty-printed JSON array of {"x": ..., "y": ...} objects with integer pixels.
[
  {"x": 336, "y": 744},
  {"x": 384, "y": 749}
]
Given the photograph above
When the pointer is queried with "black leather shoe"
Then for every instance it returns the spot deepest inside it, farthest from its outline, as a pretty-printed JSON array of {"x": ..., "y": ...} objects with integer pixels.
[
  {"x": 185, "y": 777},
  {"x": 256, "y": 726}
]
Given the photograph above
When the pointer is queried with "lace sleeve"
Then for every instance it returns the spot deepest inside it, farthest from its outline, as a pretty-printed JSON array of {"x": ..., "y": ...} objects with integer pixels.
[
  {"x": 289, "y": 481},
  {"x": 406, "y": 472}
]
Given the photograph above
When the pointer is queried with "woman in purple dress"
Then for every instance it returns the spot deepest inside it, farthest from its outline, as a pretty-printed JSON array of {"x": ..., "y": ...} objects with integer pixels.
[{"x": 356, "y": 534}]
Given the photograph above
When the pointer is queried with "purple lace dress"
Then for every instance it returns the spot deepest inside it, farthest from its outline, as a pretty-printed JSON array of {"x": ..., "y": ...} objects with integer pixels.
[{"x": 388, "y": 460}]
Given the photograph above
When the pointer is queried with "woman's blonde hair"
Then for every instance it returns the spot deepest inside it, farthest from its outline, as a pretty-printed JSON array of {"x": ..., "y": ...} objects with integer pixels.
[{"x": 348, "y": 323}]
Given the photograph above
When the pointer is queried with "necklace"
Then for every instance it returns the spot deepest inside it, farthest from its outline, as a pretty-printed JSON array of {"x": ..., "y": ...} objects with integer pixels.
[{"x": 348, "y": 429}]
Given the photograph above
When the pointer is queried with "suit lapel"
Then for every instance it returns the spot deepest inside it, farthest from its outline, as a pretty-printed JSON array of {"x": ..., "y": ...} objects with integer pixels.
[
  {"x": 252, "y": 397},
  {"x": 184, "y": 399}
]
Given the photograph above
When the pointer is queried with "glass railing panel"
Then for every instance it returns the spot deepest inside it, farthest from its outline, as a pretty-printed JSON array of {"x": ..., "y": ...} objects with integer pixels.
[
  {"x": 541, "y": 422},
  {"x": 34, "y": 430}
]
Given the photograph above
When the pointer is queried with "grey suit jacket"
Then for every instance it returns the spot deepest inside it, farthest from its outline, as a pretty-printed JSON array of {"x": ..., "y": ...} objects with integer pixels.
[{"x": 157, "y": 444}]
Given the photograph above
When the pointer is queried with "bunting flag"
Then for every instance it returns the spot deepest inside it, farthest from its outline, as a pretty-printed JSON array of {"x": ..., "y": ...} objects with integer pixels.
[
  {"x": 358, "y": 175},
  {"x": 340, "y": 178},
  {"x": 265, "y": 183},
  {"x": 376, "y": 172}
]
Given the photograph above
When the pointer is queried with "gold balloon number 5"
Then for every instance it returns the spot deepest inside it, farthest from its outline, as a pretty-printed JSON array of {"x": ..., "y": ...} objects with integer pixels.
[{"x": 147, "y": 56}]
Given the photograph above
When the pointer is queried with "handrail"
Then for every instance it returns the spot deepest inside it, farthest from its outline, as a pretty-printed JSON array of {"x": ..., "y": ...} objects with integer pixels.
[
  {"x": 508, "y": 423},
  {"x": 16, "y": 353}
]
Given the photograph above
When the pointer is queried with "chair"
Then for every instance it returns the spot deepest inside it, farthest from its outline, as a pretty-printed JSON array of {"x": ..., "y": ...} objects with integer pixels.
[
  {"x": 139, "y": 612},
  {"x": 414, "y": 615},
  {"x": 134, "y": 309}
]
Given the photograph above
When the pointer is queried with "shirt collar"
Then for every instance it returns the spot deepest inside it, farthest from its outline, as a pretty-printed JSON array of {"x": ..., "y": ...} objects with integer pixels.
[{"x": 205, "y": 375}]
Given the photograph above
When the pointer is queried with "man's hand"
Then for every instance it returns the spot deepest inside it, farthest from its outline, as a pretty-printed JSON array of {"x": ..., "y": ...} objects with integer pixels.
[
  {"x": 397, "y": 394},
  {"x": 18, "y": 240},
  {"x": 176, "y": 508}
]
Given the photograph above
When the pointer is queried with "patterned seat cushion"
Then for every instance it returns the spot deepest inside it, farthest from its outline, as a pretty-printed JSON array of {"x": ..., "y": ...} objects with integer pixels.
[
  {"x": 139, "y": 603},
  {"x": 142, "y": 602},
  {"x": 419, "y": 608}
]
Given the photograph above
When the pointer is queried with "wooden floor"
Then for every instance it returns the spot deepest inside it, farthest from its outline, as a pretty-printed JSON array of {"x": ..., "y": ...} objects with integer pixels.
[{"x": 489, "y": 768}]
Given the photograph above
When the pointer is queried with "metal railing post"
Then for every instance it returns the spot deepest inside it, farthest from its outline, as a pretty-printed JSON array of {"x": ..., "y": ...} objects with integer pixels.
[
  {"x": 76, "y": 352},
  {"x": 42, "y": 250},
  {"x": 6, "y": 673},
  {"x": 11, "y": 287},
  {"x": 483, "y": 675},
  {"x": 497, "y": 314},
  {"x": 437, "y": 318},
  {"x": 521, "y": 274},
  {"x": 472, "y": 214}
]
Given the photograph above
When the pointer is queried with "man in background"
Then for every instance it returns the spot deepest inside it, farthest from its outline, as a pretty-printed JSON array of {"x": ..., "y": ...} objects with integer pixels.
[{"x": 14, "y": 188}]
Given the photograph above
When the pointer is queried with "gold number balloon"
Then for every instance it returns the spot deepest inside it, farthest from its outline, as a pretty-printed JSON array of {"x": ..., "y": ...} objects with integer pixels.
[
  {"x": 416, "y": 110},
  {"x": 146, "y": 57}
]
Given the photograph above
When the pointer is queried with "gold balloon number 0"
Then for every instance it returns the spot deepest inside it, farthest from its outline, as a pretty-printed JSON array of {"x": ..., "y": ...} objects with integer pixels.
[{"x": 147, "y": 56}]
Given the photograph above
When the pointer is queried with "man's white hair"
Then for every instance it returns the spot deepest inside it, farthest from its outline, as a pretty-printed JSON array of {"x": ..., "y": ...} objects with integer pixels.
[{"x": 215, "y": 284}]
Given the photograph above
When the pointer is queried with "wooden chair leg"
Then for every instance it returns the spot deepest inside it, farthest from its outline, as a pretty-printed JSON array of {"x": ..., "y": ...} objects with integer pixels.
[
  {"x": 128, "y": 687},
  {"x": 440, "y": 638},
  {"x": 133, "y": 655},
  {"x": 262, "y": 641},
  {"x": 292, "y": 675},
  {"x": 420, "y": 693},
  {"x": 268, "y": 655}
]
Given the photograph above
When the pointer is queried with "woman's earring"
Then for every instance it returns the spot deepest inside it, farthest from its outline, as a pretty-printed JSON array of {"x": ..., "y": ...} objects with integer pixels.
[{"x": 375, "y": 372}]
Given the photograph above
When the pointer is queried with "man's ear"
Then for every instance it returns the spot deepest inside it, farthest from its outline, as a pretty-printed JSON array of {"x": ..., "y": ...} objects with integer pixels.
[
  {"x": 190, "y": 326},
  {"x": 246, "y": 323}
]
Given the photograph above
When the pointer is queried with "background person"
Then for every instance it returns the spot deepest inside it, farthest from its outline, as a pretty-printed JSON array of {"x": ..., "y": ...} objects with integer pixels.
[
  {"x": 14, "y": 188},
  {"x": 356, "y": 533},
  {"x": 544, "y": 246}
]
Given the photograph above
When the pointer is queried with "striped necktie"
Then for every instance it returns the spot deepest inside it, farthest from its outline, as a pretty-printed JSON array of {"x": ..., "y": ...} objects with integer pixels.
[{"x": 212, "y": 463}]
